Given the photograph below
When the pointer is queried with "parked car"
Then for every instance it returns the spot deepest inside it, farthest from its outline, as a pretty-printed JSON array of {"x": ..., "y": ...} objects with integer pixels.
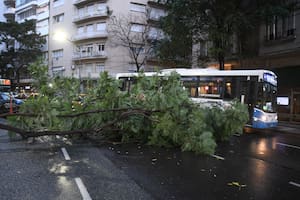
[{"x": 7, "y": 100}]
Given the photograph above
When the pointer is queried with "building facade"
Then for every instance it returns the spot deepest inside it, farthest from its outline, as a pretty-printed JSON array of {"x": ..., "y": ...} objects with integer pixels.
[
  {"x": 80, "y": 43},
  {"x": 278, "y": 49}
]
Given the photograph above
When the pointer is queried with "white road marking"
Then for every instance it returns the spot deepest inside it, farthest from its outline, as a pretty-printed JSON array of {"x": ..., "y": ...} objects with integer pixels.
[
  {"x": 83, "y": 191},
  {"x": 218, "y": 157},
  {"x": 66, "y": 155},
  {"x": 288, "y": 145},
  {"x": 295, "y": 184}
]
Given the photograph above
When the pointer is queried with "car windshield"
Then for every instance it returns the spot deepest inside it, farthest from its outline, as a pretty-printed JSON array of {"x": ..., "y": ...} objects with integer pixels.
[{"x": 5, "y": 97}]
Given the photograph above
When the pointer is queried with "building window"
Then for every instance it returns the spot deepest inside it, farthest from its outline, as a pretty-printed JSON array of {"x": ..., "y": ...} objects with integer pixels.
[
  {"x": 57, "y": 54},
  {"x": 90, "y": 8},
  {"x": 137, "y": 50},
  {"x": 137, "y": 28},
  {"x": 87, "y": 69},
  {"x": 204, "y": 46},
  {"x": 156, "y": 13},
  {"x": 101, "y": 47},
  {"x": 280, "y": 27},
  {"x": 89, "y": 50},
  {"x": 101, "y": 27},
  {"x": 58, "y": 71},
  {"x": 26, "y": 14},
  {"x": 99, "y": 68},
  {"x": 137, "y": 7},
  {"x": 89, "y": 28},
  {"x": 155, "y": 33},
  {"x": 81, "y": 12},
  {"x": 80, "y": 30},
  {"x": 57, "y": 3},
  {"x": 102, "y": 7},
  {"x": 58, "y": 18}
]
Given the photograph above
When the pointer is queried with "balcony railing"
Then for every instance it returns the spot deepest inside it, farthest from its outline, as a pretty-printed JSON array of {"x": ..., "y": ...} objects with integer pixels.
[
  {"x": 25, "y": 4},
  {"x": 90, "y": 15},
  {"x": 157, "y": 2},
  {"x": 9, "y": 12},
  {"x": 91, "y": 35},
  {"x": 89, "y": 55},
  {"x": 43, "y": 15},
  {"x": 32, "y": 17},
  {"x": 82, "y": 2}
]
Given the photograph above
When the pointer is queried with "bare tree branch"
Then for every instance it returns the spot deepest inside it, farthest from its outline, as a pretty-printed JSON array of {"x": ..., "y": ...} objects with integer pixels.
[{"x": 122, "y": 30}]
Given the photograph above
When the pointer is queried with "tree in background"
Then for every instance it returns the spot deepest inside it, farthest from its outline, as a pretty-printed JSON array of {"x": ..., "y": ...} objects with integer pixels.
[
  {"x": 176, "y": 48},
  {"x": 22, "y": 47},
  {"x": 134, "y": 37},
  {"x": 222, "y": 23}
]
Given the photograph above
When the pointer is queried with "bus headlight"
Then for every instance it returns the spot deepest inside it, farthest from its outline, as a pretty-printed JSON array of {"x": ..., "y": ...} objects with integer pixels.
[{"x": 264, "y": 118}]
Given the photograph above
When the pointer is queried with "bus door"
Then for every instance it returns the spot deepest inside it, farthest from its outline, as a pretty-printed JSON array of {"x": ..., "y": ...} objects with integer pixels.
[
  {"x": 248, "y": 93},
  {"x": 191, "y": 85}
]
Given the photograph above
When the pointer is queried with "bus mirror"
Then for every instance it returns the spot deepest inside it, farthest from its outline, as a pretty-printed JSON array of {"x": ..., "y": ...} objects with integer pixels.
[{"x": 242, "y": 99}]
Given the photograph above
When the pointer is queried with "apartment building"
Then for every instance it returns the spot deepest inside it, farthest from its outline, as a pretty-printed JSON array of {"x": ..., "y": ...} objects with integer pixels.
[{"x": 80, "y": 44}]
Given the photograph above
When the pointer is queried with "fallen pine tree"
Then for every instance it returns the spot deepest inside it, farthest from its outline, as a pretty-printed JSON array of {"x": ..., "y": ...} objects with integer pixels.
[{"x": 156, "y": 111}]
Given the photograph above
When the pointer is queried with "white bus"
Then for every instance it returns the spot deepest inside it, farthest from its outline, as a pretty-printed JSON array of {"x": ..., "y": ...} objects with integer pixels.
[{"x": 256, "y": 88}]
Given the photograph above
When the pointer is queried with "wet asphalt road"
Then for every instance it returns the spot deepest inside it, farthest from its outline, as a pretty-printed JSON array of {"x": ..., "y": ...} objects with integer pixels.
[
  {"x": 252, "y": 166},
  {"x": 257, "y": 165}
]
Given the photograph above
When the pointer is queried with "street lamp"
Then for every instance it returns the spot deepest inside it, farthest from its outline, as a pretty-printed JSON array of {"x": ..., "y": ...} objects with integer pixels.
[{"x": 61, "y": 36}]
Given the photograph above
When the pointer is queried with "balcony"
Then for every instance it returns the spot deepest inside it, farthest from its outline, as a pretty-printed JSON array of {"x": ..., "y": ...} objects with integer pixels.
[
  {"x": 83, "y": 2},
  {"x": 10, "y": 12},
  {"x": 28, "y": 3},
  {"x": 157, "y": 2},
  {"x": 89, "y": 16},
  {"x": 91, "y": 35},
  {"x": 32, "y": 17},
  {"x": 89, "y": 55},
  {"x": 42, "y": 15}
]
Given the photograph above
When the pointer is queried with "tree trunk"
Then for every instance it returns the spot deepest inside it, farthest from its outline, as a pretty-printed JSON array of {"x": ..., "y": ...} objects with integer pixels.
[{"x": 221, "y": 62}]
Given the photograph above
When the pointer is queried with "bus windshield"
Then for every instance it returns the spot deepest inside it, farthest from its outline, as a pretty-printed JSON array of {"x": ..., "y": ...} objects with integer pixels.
[{"x": 267, "y": 98}]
